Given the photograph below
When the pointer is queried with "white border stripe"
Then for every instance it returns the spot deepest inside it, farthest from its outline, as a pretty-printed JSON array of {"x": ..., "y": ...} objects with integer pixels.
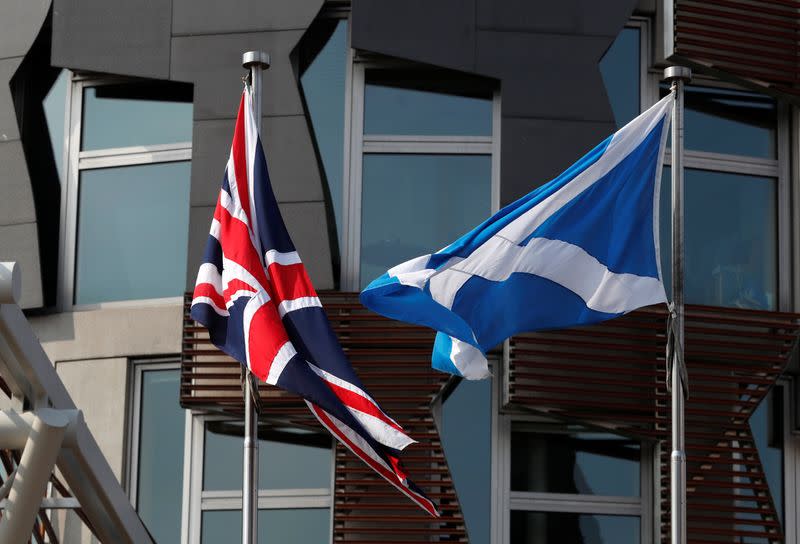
[
  {"x": 210, "y": 302},
  {"x": 297, "y": 304},
  {"x": 273, "y": 256},
  {"x": 208, "y": 273},
  {"x": 280, "y": 361}
]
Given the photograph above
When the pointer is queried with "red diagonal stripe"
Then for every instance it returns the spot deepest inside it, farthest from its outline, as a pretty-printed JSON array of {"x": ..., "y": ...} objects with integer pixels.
[
  {"x": 393, "y": 478},
  {"x": 358, "y": 402},
  {"x": 208, "y": 290},
  {"x": 236, "y": 285}
]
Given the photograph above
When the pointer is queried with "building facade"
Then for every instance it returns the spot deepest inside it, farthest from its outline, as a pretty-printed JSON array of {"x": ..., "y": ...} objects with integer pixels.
[{"x": 391, "y": 128}]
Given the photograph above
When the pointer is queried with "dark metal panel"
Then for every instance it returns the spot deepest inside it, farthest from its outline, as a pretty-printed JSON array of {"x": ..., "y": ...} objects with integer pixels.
[
  {"x": 113, "y": 36},
  {"x": 565, "y": 17},
  {"x": 215, "y": 17},
  {"x": 213, "y": 64},
  {"x": 546, "y": 75},
  {"x": 554, "y": 144},
  {"x": 441, "y": 33}
]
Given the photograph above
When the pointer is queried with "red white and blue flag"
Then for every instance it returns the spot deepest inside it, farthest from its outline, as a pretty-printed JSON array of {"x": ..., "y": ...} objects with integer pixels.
[{"x": 256, "y": 299}]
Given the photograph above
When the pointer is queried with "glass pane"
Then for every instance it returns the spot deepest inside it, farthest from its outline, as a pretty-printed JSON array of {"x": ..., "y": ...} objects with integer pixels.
[
  {"x": 467, "y": 438},
  {"x": 132, "y": 114},
  {"x": 304, "y": 464},
  {"x": 55, "y": 104},
  {"x": 766, "y": 423},
  {"x": 731, "y": 247},
  {"x": 415, "y": 204},
  {"x": 728, "y": 121},
  {"x": 160, "y": 478},
  {"x": 132, "y": 232},
  {"x": 568, "y": 528},
  {"x": 288, "y": 526},
  {"x": 394, "y": 109},
  {"x": 620, "y": 68},
  {"x": 583, "y": 462},
  {"x": 323, "y": 87}
]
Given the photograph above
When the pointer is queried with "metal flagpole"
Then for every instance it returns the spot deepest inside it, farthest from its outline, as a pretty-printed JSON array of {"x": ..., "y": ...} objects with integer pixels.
[
  {"x": 678, "y": 76},
  {"x": 256, "y": 62}
]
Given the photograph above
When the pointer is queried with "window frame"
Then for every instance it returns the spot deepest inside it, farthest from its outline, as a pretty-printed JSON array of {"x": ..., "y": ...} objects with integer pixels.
[
  {"x": 77, "y": 161},
  {"x": 357, "y": 144},
  {"x": 196, "y": 500},
  {"x": 778, "y": 169},
  {"x": 645, "y": 506}
]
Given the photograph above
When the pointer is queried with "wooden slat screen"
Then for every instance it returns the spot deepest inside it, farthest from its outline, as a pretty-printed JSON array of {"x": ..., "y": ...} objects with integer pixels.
[
  {"x": 613, "y": 376},
  {"x": 754, "y": 41}
]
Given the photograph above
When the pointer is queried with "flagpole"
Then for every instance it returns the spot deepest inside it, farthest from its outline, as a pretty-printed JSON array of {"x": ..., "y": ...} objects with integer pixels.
[
  {"x": 256, "y": 62},
  {"x": 678, "y": 76}
]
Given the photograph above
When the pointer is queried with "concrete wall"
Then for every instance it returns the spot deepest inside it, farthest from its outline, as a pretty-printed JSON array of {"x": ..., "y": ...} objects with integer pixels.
[
  {"x": 92, "y": 352},
  {"x": 545, "y": 55}
]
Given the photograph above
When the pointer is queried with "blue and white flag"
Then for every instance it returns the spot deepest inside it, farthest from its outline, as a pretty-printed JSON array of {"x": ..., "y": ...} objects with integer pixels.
[{"x": 578, "y": 250}]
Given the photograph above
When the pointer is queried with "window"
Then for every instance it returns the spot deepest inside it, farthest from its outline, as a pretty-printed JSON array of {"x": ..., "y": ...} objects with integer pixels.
[
  {"x": 733, "y": 185},
  {"x": 567, "y": 483},
  {"x": 155, "y": 467},
  {"x": 295, "y": 476},
  {"x": 125, "y": 203},
  {"x": 423, "y": 165}
]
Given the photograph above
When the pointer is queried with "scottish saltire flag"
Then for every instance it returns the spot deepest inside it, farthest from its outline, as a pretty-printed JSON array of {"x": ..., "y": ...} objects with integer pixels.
[
  {"x": 255, "y": 297},
  {"x": 580, "y": 249}
]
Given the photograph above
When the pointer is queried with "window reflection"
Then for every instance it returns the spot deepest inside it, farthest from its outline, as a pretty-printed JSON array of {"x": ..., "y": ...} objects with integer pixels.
[
  {"x": 284, "y": 526},
  {"x": 467, "y": 437},
  {"x": 620, "y": 68},
  {"x": 133, "y": 114},
  {"x": 390, "y": 107},
  {"x": 568, "y": 528},
  {"x": 129, "y": 218},
  {"x": 766, "y": 424},
  {"x": 417, "y": 204},
  {"x": 160, "y": 460},
  {"x": 573, "y": 462},
  {"x": 730, "y": 241},
  {"x": 323, "y": 87},
  {"x": 729, "y": 121},
  {"x": 304, "y": 458}
]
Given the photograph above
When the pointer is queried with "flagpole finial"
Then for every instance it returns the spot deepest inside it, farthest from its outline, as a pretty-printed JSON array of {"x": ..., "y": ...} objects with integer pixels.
[
  {"x": 683, "y": 73},
  {"x": 256, "y": 58}
]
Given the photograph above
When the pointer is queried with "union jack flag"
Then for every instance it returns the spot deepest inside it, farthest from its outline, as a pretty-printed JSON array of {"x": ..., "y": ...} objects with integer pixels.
[{"x": 256, "y": 299}]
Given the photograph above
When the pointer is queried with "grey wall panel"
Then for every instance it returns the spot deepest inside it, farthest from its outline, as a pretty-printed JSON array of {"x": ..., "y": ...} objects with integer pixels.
[
  {"x": 213, "y": 64},
  {"x": 287, "y": 143},
  {"x": 16, "y": 203},
  {"x": 440, "y": 33},
  {"x": 582, "y": 17},
  {"x": 545, "y": 54},
  {"x": 20, "y": 243},
  {"x": 215, "y": 17},
  {"x": 555, "y": 143},
  {"x": 113, "y": 36},
  {"x": 20, "y": 21},
  {"x": 546, "y": 74},
  {"x": 9, "y": 129}
]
